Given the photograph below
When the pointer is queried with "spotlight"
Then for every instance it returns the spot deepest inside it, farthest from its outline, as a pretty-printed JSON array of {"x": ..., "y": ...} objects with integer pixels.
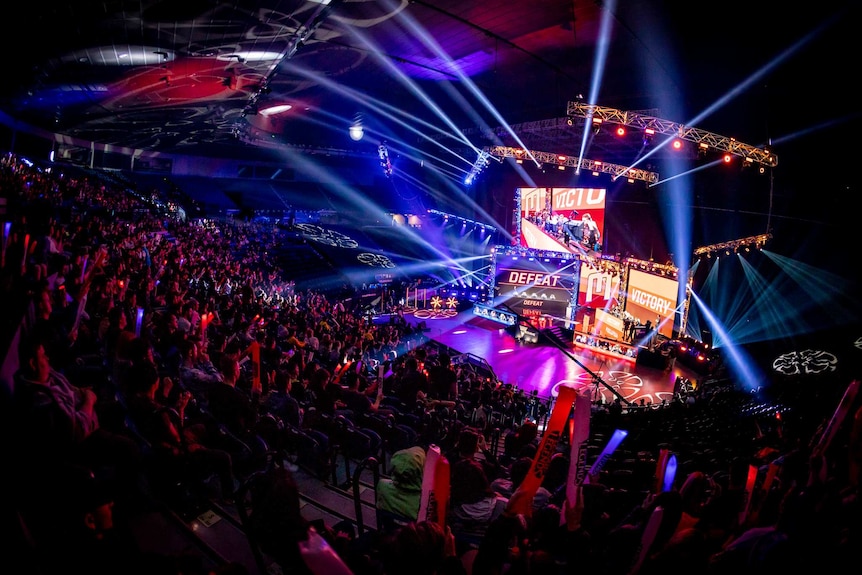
[
  {"x": 727, "y": 158},
  {"x": 677, "y": 144},
  {"x": 597, "y": 125},
  {"x": 356, "y": 130},
  {"x": 621, "y": 131},
  {"x": 570, "y": 122},
  {"x": 648, "y": 135}
]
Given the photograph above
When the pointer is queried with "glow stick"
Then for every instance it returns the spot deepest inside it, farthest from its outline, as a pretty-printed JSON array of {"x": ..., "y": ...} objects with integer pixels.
[
  {"x": 139, "y": 319},
  {"x": 606, "y": 453},
  {"x": 749, "y": 489},
  {"x": 7, "y": 227},
  {"x": 838, "y": 417},
  {"x": 669, "y": 473},
  {"x": 24, "y": 255},
  {"x": 659, "y": 470}
]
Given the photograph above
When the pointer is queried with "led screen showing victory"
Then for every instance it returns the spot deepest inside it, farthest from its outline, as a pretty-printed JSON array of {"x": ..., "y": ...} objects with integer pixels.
[{"x": 652, "y": 298}]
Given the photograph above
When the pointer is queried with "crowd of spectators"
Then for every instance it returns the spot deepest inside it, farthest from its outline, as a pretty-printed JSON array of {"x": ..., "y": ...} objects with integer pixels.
[{"x": 152, "y": 358}]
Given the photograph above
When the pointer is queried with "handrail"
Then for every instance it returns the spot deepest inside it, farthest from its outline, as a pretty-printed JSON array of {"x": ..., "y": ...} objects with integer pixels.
[{"x": 357, "y": 502}]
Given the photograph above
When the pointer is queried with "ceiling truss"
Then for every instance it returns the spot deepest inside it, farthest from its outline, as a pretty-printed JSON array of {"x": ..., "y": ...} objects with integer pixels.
[
  {"x": 704, "y": 140},
  {"x": 597, "y": 166}
]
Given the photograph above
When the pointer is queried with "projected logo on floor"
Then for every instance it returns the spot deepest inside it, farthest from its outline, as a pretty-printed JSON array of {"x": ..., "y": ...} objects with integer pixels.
[
  {"x": 324, "y": 236},
  {"x": 628, "y": 385},
  {"x": 440, "y": 309},
  {"x": 810, "y": 361}
]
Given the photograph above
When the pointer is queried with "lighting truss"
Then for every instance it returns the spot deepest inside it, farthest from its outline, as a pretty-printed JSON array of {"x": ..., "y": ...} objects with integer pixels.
[
  {"x": 615, "y": 170},
  {"x": 453, "y": 217},
  {"x": 651, "y": 267},
  {"x": 699, "y": 137},
  {"x": 755, "y": 241},
  {"x": 480, "y": 164}
]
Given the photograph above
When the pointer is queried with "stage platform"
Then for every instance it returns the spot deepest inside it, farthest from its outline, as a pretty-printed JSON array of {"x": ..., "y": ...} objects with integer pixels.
[{"x": 543, "y": 367}]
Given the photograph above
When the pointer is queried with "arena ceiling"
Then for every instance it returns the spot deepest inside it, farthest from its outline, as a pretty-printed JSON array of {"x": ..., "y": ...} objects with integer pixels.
[
  {"x": 439, "y": 80},
  {"x": 198, "y": 76}
]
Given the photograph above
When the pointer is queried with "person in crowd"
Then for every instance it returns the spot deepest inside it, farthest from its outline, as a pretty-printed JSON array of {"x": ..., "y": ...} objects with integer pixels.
[
  {"x": 473, "y": 504},
  {"x": 280, "y": 401},
  {"x": 197, "y": 373},
  {"x": 442, "y": 379},
  {"x": 421, "y": 548},
  {"x": 411, "y": 384},
  {"x": 183, "y": 451},
  {"x": 56, "y": 426},
  {"x": 505, "y": 485},
  {"x": 360, "y": 402},
  {"x": 399, "y": 494}
]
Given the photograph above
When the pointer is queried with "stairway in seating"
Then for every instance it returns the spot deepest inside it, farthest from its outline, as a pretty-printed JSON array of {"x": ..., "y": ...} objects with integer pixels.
[{"x": 557, "y": 336}]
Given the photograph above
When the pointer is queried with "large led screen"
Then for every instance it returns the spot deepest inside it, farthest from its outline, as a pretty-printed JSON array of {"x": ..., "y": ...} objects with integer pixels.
[
  {"x": 652, "y": 298},
  {"x": 599, "y": 287},
  {"x": 569, "y": 220}
]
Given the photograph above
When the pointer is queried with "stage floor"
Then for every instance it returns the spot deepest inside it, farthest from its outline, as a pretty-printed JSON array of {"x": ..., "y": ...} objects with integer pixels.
[{"x": 544, "y": 367}]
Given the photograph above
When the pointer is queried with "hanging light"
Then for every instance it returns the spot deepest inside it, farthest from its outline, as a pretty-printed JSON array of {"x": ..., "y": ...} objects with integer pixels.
[{"x": 356, "y": 129}]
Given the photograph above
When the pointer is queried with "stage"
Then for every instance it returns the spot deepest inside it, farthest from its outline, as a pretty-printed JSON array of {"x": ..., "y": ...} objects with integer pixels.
[{"x": 543, "y": 366}]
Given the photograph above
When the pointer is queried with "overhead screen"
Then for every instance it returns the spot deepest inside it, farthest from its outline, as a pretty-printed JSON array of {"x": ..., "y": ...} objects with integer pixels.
[{"x": 569, "y": 220}]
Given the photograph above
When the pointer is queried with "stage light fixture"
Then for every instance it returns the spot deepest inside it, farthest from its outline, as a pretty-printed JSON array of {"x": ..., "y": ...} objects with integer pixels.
[
  {"x": 727, "y": 158},
  {"x": 676, "y": 144},
  {"x": 648, "y": 136},
  {"x": 597, "y": 125},
  {"x": 570, "y": 122},
  {"x": 621, "y": 131}
]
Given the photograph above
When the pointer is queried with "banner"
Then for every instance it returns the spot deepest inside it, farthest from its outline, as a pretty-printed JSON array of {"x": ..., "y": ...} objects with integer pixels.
[
  {"x": 649, "y": 533},
  {"x": 749, "y": 491},
  {"x": 254, "y": 350},
  {"x": 435, "y": 487},
  {"x": 838, "y": 417},
  {"x": 579, "y": 437},
  {"x": 548, "y": 446}
]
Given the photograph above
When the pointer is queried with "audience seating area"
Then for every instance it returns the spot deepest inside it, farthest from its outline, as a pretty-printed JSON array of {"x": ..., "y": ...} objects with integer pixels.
[{"x": 183, "y": 397}]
